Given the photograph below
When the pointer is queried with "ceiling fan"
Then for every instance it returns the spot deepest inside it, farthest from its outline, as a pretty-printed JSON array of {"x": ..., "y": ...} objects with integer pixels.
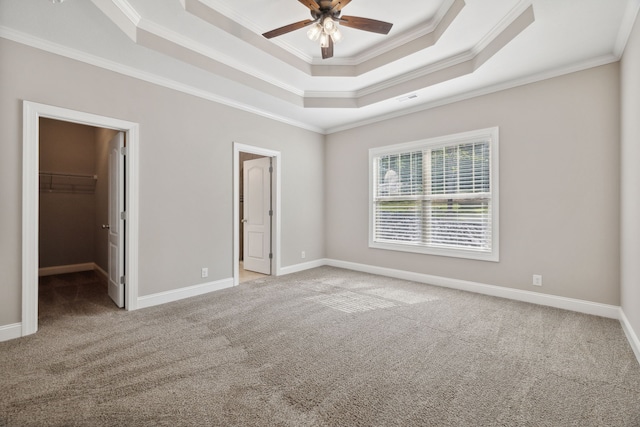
[{"x": 324, "y": 25}]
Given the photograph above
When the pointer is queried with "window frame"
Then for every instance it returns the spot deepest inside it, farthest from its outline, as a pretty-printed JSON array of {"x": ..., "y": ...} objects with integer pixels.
[{"x": 489, "y": 134}]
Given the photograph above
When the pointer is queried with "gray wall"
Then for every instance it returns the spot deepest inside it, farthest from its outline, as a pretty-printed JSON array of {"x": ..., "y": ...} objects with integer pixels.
[
  {"x": 67, "y": 219},
  {"x": 186, "y": 153},
  {"x": 630, "y": 178},
  {"x": 559, "y": 186}
]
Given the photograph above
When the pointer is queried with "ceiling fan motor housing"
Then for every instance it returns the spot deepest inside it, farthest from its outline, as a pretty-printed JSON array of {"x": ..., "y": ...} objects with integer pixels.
[{"x": 320, "y": 14}]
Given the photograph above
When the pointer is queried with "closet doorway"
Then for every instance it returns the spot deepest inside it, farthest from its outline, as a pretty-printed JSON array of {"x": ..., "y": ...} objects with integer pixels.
[
  {"x": 60, "y": 173},
  {"x": 80, "y": 196}
]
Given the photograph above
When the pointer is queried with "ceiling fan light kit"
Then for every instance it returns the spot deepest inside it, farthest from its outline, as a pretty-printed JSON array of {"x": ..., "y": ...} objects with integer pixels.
[
  {"x": 324, "y": 25},
  {"x": 314, "y": 32}
]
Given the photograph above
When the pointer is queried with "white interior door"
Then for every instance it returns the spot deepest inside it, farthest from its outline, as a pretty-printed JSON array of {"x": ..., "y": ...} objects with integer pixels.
[
  {"x": 116, "y": 223},
  {"x": 256, "y": 215}
]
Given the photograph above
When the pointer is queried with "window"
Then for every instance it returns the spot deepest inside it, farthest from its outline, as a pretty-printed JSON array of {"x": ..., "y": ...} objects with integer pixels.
[{"x": 437, "y": 196}]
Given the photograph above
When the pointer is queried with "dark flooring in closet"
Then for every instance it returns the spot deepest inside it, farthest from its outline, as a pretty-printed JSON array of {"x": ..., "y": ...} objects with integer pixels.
[{"x": 72, "y": 294}]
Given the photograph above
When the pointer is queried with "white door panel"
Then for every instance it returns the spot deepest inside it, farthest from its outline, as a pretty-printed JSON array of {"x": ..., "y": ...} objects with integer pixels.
[
  {"x": 256, "y": 218},
  {"x": 115, "y": 227}
]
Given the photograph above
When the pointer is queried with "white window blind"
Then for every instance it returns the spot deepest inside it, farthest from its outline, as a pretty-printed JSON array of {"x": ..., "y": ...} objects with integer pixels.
[{"x": 437, "y": 196}]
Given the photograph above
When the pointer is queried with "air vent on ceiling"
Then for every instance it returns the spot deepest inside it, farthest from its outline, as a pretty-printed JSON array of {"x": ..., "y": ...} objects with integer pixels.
[{"x": 407, "y": 97}]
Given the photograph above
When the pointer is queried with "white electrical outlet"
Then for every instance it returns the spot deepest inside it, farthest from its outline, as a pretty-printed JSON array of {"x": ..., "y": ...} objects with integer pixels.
[
  {"x": 537, "y": 280},
  {"x": 303, "y": 255},
  {"x": 205, "y": 272}
]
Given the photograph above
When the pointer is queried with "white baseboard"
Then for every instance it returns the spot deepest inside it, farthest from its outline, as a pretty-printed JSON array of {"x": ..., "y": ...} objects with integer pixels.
[
  {"x": 303, "y": 266},
  {"x": 9, "y": 332},
  {"x": 581, "y": 306},
  {"x": 63, "y": 269},
  {"x": 633, "y": 339},
  {"x": 182, "y": 293},
  {"x": 101, "y": 272}
]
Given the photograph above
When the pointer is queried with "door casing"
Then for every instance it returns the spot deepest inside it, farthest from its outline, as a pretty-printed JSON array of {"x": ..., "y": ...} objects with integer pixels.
[{"x": 32, "y": 112}]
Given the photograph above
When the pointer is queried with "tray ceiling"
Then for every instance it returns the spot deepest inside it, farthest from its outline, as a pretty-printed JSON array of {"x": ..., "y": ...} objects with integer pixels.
[{"x": 436, "y": 52}]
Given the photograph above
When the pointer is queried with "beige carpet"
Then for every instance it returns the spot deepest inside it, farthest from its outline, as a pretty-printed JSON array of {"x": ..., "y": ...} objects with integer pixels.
[{"x": 325, "y": 347}]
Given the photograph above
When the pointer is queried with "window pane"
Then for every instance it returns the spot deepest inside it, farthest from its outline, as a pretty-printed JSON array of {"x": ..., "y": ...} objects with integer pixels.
[
  {"x": 398, "y": 221},
  {"x": 399, "y": 174},
  {"x": 460, "y": 169},
  {"x": 464, "y": 223}
]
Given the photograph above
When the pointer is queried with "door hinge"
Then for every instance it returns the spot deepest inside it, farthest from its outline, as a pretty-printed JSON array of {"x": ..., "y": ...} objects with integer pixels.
[
  {"x": 271, "y": 256},
  {"x": 123, "y": 280},
  {"x": 271, "y": 213},
  {"x": 123, "y": 216},
  {"x": 124, "y": 151},
  {"x": 270, "y": 169}
]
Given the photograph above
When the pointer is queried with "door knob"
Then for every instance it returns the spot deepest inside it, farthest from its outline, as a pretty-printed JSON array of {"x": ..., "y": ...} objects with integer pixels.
[
  {"x": 244, "y": 220},
  {"x": 105, "y": 226}
]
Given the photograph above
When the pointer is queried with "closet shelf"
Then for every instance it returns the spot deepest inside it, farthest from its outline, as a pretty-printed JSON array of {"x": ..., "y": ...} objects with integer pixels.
[{"x": 52, "y": 182}]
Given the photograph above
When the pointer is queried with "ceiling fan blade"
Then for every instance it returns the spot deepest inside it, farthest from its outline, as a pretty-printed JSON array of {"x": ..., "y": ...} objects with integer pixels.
[
  {"x": 311, "y": 4},
  {"x": 327, "y": 52},
  {"x": 287, "y": 28},
  {"x": 366, "y": 24},
  {"x": 337, "y": 5}
]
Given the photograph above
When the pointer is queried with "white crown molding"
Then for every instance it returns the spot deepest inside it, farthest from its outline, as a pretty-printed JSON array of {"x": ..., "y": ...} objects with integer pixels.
[
  {"x": 47, "y": 46},
  {"x": 501, "y": 26},
  {"x": 626, "y": 26},
  {"x": 128, "y": 11}
]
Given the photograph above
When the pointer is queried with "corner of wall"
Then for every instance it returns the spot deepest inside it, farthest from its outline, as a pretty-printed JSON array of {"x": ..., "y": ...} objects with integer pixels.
[
  {"x": 9, "y": 332},
  {"x": 632, "y": 337}
]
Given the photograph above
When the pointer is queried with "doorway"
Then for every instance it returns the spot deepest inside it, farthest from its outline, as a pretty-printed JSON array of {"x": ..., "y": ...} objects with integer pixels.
[
  {"x": 256, "y": 212},
  {"x": 128, "y": 252},
  {"x": 255, "y": 216},
  {"x": 74, "y": 231}
]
